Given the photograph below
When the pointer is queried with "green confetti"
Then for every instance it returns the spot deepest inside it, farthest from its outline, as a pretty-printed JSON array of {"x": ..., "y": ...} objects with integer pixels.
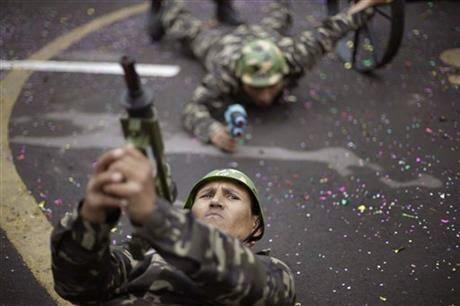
[
  {"x": 368, "y": 62},
  {"x": 409, "y": 216}
]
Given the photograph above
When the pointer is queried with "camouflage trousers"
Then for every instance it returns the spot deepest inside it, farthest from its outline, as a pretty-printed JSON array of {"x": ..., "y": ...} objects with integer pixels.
[{"x": 195, "y": 36}]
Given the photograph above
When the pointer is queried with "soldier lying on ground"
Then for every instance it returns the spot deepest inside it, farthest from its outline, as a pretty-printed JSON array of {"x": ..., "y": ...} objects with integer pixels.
[
  {"x": 251, "y": 64},
  {"x": 198, "y": 256}
]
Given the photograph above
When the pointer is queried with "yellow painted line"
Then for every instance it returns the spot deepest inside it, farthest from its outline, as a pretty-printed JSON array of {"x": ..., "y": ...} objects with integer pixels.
[{"x": 20, "y": 217}]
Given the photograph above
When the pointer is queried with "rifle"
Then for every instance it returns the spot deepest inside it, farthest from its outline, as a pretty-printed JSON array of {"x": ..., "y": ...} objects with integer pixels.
[{"x": 142, "y": 128}]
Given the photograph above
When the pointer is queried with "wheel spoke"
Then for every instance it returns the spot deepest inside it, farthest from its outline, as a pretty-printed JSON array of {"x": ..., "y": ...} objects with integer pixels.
[
  {"x": 384, "y": 14},
  {"x": 355, "y": 47},
  {"x": 373, "y": 42}
]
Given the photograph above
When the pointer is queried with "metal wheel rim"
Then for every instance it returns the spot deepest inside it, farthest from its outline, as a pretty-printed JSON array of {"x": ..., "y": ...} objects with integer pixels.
[{"x": 346, "y": 54}]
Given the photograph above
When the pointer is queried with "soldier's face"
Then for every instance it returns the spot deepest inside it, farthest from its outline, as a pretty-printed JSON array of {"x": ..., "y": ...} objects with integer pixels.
[
  {"x": 226, "y": 206},
  {"x": 264, "y": 96}
]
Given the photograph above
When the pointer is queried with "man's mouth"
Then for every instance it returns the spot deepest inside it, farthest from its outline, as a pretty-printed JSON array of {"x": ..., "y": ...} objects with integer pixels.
[{"x": 213, "y": 215}]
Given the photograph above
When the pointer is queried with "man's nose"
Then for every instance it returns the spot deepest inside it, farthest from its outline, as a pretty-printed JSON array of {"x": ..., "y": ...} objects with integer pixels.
[
  {"x": 215, "y": 204},
  {"x": 216, "y": 201}
]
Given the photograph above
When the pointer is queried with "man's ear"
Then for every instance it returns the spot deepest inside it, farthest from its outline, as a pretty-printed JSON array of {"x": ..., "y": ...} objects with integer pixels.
[
  {"x": 256, "y": 230},
  {"x": 256, "y": 225}
]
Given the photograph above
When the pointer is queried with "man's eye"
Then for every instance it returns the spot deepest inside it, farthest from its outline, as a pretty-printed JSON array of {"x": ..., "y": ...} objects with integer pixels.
[
  {"x": 233, "y": 197},
  {"x": 205, "y": 195}
]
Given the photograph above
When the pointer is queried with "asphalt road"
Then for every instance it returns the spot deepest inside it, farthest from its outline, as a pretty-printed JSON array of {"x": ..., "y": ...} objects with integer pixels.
[{"x": 359, "y": 178}]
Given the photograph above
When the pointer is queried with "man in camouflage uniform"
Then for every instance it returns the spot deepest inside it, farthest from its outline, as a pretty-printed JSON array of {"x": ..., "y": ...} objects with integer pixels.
[
  {"x": 251, "y": 64},
  {"x": 199, "y": 256}
]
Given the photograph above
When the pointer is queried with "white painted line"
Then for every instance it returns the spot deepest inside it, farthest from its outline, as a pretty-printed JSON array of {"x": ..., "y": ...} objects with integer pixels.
[{"x": 144, "y": 70}]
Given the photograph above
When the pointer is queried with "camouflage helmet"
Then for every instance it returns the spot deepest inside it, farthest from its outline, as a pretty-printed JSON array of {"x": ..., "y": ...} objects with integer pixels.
[
  {"x": 261, "y": 64},
  {"x": 231, "y": 175}
]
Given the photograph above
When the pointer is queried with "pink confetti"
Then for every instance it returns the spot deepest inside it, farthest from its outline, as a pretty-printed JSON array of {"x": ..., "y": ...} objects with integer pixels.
[
  {"x": 445, "y": 221},
  {"x": 308, "y": 104},
  {"x": 21, "y": 155},
  {"x": 428, "y": 130},
  {"x": 58, "y": 202}
]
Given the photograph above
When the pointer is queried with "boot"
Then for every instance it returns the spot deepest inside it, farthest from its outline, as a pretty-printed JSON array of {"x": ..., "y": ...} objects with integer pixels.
[
  {"x": 155, "y": 29},
  {"x": 225, "y": 13}
]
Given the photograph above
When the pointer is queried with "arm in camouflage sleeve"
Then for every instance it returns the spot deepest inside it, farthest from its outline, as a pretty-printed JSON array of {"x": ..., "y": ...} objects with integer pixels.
[
  {"x": 228, "y": 272},
  {"x": 310, "y": 46},
  {"x": 196, "y": 117},
  {"x": 85, "y": 269}
]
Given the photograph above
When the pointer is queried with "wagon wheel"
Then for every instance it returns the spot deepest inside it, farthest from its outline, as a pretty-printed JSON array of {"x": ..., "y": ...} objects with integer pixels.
[{"x": 376, "y": 43}]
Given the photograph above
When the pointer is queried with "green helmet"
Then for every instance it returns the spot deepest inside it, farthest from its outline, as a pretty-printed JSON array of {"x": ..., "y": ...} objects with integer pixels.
[
  {"x": 261, "y": 64},
  {"x": 232, "y": 175}
]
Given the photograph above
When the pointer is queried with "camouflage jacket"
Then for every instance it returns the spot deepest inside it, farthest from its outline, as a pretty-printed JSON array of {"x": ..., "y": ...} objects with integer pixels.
[
  {"x": 189, "y": 263},
  {"x": 220, "y": 87}
]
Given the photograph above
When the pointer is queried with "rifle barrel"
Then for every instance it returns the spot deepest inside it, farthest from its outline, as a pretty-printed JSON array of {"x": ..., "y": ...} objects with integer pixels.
[{"x": 131, "y": 76}]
